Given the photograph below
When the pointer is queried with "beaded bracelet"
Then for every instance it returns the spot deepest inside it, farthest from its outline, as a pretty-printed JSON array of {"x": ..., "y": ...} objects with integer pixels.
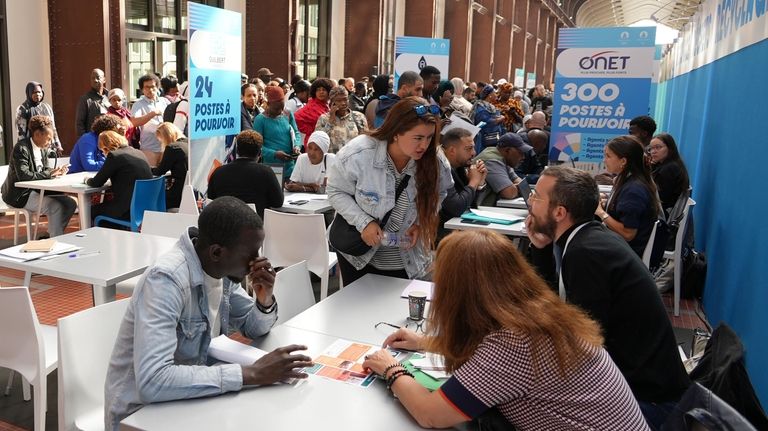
[
  {"x": 396, "y": 375},
  {"x": 386, "y": 370}
]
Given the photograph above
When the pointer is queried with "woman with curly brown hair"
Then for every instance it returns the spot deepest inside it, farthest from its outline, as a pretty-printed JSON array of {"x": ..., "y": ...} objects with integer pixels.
[
  {"x": 399, "y": 228},
  {"x": 510, "y": 344}
]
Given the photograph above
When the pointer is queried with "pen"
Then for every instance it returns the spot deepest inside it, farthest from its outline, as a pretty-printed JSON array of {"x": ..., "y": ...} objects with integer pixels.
[{"x": 76, "y": 255}]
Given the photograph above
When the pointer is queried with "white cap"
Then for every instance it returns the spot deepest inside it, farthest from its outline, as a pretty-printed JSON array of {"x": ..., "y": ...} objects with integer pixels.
[
  {"x": 321, "y": 139},
  {"x": 501, "y": 81}
]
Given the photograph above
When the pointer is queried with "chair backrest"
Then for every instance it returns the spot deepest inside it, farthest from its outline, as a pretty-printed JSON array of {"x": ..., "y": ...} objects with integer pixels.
[
  {"x": 148, "y": 195},
  {"x": 649, "y": 245},
  {"x": 291, "y": 238},
  {"x": 22, "y": 348},
  {"x": 170, "y": 225},
  {"x": 680, "y": 234},
  {"x": 293, "y": 291},
  {"x": 86, "y": 340},
  {"x": 188, "y": 203}
]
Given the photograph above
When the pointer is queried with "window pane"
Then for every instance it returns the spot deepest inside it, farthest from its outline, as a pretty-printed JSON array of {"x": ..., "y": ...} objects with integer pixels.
[
  {"x": 168, "y": 57},
  {"x": 139, "y": 63},
  {"x": 137, "y": 14},
  {"x": 165, "y": 15}
]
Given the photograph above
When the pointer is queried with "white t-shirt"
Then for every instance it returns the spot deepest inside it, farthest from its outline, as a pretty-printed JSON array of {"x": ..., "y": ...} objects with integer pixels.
[
  {"x": 214, "y": 290},
  {"x": 37, "y": 154},
  {"x": 306, "y": 172}
]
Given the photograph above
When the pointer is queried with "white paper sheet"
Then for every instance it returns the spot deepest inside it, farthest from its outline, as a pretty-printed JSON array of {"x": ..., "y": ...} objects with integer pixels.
[
  {"x": 226, "y": 349},
  {"x": 498, "y": 215},
  {"x": 419, "y": 286},
  {"x": 305, "y": 196},
  {"x": 457, "y": 122}
]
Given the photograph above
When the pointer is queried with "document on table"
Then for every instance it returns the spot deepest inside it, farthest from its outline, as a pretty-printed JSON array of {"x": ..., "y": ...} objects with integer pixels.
[
  {"x": 343, "y": 361},
  {"x": 419, "y": 286},
  {"x": 430, "y": 364},
  {"x": 497, "y": 215},
  {"x": 226, "y": 349},
  {"x": 305, "y": 196},
  {"x": 16, "y": 254}
]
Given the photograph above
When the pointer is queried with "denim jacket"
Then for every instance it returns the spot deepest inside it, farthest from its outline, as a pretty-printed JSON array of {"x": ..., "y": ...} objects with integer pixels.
[
  {"x": 361, "y": 190},
  {"x": 161, "y": 351}
]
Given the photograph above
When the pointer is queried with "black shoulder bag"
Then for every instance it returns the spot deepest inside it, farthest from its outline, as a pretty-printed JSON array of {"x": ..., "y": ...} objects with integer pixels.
[{"x": 347, "y": 239}]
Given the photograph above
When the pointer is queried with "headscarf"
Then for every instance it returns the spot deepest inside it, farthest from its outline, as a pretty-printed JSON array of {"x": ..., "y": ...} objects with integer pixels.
[
  {"x": 482, "y": 103},
  {"x": 321, "y": 139}
]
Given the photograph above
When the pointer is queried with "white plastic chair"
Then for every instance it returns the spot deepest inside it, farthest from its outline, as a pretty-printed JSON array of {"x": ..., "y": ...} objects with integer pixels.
[
  {"x": 649, "y": 246},
  {"x": 6, "y": 209},
  {"x": 170, "y": 225},
  {"x": 676, "y": 255},
  {"x": 27, "y": 347},
  {"x": 86, "y": 340},
  {"x": 293, "y": 291},
  {"x": 291, "y": 238},
  {"x": 188, "y": 203}
]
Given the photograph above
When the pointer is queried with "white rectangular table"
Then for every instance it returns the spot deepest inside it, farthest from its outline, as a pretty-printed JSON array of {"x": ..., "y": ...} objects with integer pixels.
[
  {"x": 515, "y": 229},
  {"x": 316, "y": 404},
  {"x": 316, "y": 205},
  {"x": 70, "y": 184},
  {"x": 352, "y": 312},
  {"x": 121, "y": 255}
]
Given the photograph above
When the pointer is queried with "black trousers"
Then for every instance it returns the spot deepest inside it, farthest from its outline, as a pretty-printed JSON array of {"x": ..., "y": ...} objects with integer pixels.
[{"x": 350, "y": 274}]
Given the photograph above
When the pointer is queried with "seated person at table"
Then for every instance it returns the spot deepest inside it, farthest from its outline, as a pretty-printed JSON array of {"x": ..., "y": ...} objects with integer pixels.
[
  {"x": 669, "y": 172},
  {"x": 634, "y": 205},
  {"x": 501, "y": 162},
  {"x": 174, "y": 159},
  {"x": 247, "y": 179},
  {"x": 459, "y": 149},
  {"x": 123, "y": 166},
  {"x": 311, "y": 169},
  {"x": 29, "y": 161},
  {"x": 86, "y": 156},
  {"x": 602, "y": 276},
  {"x": 511, "y": 345},
  {"x": 181, "y": 303}
]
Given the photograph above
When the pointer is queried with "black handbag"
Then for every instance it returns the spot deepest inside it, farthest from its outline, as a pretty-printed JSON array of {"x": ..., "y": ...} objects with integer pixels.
[
  {"x": 491, "y": 139},
  {"x": 347, "y": 239}
]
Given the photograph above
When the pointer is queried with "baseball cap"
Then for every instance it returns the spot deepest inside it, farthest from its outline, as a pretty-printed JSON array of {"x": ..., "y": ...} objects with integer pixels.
[
  {"x": 264, "y": 72},
  {"x": 513, "y": 140}
]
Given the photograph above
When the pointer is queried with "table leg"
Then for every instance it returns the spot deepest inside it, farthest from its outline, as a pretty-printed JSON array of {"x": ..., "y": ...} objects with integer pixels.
[
  {"x": 103, "y": 294},
  {"x": 84, "y": 208},
  {"x": 27, "y": 278},
  {"x": 37, "y": 214}
]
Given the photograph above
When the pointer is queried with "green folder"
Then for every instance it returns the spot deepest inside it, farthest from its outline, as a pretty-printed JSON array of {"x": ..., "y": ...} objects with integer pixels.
[
  {"x": 421, "y": 377},
  {"x": 473, "y": 216}
]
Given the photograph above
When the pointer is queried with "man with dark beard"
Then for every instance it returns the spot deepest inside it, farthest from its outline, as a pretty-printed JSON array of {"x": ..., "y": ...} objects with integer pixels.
[
  {"x": 597, "y": 270},
  {"x": 189, "y": 296}
]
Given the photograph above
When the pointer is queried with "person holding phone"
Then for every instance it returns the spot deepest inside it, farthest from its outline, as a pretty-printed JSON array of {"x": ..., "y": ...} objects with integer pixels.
[
  {"x": 280, "y": 132},
  {"x": 395, "y": 174},
  {"x": 29, "y": 161},
  {"x": 341, "y": 123}
]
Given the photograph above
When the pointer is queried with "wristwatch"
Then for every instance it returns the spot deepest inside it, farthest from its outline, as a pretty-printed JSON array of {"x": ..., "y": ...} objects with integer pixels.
[
  {"x": 267, "y": 310},
  {"x": 604, "y": 216}
]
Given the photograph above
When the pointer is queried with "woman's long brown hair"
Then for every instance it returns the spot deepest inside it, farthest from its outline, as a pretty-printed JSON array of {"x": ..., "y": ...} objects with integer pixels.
[
  {"x": 401, "y": 118},
  {"x": 630, "y": 148},
  {"x": 483, "y": 284}
]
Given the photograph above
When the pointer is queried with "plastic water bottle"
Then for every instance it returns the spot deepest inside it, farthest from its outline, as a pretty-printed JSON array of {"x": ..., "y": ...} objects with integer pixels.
[{"x": 394, "y": 239}]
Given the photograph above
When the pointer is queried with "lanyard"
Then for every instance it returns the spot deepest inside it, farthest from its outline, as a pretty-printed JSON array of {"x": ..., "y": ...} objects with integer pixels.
[{"x": 560, "y": 273}]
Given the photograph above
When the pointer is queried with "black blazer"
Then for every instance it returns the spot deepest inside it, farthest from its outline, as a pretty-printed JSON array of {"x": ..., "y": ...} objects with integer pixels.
[
  {"x": 174, "y": 160},
  {"x": 123, "y": 167},
  {"x": 22, "y": 168}
]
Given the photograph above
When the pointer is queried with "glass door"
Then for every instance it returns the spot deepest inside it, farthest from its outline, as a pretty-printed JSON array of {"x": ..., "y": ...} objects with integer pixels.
[{"x": 140, "y": 62}]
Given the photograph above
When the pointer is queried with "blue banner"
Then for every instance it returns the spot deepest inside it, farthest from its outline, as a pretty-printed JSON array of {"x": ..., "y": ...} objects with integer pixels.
[
  {"x": 602, "y": 81},
  {"x": 214, "y": 71},
  {"x": 415, "y": 53}
]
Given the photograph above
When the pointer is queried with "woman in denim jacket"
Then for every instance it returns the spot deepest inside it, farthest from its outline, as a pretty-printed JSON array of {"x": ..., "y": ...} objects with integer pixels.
[{"x": 362, "y": 184}]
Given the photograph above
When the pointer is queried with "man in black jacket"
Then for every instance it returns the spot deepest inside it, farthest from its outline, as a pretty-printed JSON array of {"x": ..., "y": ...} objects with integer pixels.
[
  {"x": 29, "y": 161},
  {"x": 459, "y": 149},
  {"x": 247, "y": 179},
  {"x": 92, "y": 104},
  {"x": 595, "y": 269}
]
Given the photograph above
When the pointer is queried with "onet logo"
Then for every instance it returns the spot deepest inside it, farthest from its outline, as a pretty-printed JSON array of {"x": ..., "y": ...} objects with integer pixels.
[{"x": 604, "y": 61}]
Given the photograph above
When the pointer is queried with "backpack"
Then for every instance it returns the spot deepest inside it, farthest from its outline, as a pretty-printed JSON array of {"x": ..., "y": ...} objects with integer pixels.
[
  {"x": 170, "y": 114},
  {"x": 694, "y": 275}
]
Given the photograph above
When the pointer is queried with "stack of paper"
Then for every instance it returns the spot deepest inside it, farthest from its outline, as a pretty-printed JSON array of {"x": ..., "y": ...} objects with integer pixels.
[
  {"x": 16, "y": 252},
  {"x": 305, "y": 197},
  {"x": 226, "y": 349},
  {"x": 432, "y": 365}
]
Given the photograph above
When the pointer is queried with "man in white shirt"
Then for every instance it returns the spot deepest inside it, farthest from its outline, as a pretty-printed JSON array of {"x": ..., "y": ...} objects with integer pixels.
[
  {"x": 150, "y": 102},
  {"x": 311, "y": 168}
]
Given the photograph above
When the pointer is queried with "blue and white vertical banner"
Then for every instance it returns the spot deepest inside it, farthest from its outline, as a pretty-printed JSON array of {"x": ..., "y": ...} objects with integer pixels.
[
  {"x": 215, "y": 63},
  {"x": 519, "y": 78},
  {"x": 415, "y": 53},
  {"x": 602, "y": 81},
  {"x": 530, "y": 80}
]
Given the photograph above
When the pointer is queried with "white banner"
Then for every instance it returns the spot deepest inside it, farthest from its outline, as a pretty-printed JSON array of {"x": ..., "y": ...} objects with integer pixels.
[{"x": 719, "y": 28}]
